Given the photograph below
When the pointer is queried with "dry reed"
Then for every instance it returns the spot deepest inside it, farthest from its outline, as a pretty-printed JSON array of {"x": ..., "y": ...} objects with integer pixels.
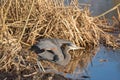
[{"x": 22, "y": 22}]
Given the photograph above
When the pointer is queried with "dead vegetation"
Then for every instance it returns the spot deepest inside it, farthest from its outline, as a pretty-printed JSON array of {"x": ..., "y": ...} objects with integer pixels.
[{"x": 22, "y": 22}]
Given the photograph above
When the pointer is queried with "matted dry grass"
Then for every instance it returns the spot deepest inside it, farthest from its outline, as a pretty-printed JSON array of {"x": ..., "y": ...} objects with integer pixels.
[{"x": 22, "y": 22}]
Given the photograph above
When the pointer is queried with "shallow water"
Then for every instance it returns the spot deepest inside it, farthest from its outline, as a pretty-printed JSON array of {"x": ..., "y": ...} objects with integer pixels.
[
  {"x": 105, "y": 66},
  {"x": 109, "y": 68}
]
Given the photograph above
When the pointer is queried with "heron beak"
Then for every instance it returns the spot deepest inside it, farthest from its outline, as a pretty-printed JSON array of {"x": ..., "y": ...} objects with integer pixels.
[
  {"x": 74, "y": 47},
  {"x": 79, "y": 48}
]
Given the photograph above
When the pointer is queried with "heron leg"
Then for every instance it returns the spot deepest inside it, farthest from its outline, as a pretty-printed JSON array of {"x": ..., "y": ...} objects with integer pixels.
[{"x": 41, "y": 68}]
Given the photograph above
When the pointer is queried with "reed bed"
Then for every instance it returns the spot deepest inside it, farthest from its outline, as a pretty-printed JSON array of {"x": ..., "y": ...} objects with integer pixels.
[{"x": 23, "y": 22}]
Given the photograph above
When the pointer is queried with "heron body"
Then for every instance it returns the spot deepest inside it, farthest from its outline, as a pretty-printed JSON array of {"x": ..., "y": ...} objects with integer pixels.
[{"x": 54, "y": 50}]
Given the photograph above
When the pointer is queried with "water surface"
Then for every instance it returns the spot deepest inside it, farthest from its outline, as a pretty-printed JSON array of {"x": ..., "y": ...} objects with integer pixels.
[
  {"x": 106, "y": 65},
  {"x": 98, "y": 7}
]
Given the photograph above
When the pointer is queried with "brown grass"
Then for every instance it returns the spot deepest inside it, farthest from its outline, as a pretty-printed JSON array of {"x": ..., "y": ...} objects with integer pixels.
[{"x": 22, "y": 22}]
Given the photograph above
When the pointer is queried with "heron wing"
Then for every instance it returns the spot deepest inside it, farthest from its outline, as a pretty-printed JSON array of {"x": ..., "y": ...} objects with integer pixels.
[
  {"x": 46, "y": 44},
  {"x": 49, "y": 44},
  {"x": 46, "y": 56},
  {"x": 61, "y": 41}
]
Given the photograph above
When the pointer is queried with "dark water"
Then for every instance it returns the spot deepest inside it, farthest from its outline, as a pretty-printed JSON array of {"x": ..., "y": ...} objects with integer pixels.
[{"x": 105, "y": 66}]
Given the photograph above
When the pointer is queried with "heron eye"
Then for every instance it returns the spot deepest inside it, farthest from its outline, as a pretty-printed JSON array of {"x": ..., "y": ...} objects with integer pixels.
[{"x": 69, "y": 44}]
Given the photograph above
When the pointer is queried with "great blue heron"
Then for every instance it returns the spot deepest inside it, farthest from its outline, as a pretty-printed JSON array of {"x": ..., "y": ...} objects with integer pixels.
[{"x": 54, "y": 50}]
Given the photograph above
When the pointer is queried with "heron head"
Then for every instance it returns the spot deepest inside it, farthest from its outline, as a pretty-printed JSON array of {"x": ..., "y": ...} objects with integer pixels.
[{"x": 73, "y": 46}]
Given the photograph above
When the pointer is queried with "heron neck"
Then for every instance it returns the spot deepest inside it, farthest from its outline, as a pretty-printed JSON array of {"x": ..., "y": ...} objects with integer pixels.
[{"x": 67, "y": 56}]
